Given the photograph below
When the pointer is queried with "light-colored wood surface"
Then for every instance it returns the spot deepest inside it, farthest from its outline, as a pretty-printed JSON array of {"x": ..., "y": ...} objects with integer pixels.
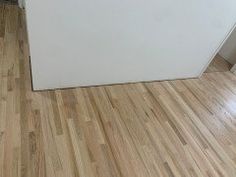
[
  {"x": 218, "y": 64},
  {"x": 160, "y": 129}
]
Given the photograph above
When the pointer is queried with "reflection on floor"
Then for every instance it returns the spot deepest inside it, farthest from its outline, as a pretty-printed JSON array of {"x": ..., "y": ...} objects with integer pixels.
[
  {"x": 218, "y": 64},
  {"x": 176, "y": 128}
]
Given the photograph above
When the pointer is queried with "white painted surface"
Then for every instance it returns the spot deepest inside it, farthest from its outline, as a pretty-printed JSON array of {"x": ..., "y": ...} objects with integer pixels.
[
  {"x": 21, "y": 3},
  {"x": 90, "y": 42},
  {"x": 228, "y": 51}
]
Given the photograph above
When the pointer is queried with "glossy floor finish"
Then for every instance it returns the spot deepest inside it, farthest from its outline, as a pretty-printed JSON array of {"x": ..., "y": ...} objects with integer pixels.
[{"x": 160, "y": 129}]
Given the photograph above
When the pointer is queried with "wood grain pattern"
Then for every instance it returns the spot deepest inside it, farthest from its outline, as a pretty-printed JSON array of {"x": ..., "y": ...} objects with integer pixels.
[{"x": 161, "y": 129}]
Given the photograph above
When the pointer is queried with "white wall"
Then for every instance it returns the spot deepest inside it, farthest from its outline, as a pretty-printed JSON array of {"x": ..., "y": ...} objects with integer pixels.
[
  {"x": 91, "y": 42},
  {"x": 21, "y": 3},
  {"x": 228, "y": 50}
]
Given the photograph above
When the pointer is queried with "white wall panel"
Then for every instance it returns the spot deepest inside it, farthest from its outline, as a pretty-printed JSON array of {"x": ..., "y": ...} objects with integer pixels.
[{"x": 93, "y": 42}]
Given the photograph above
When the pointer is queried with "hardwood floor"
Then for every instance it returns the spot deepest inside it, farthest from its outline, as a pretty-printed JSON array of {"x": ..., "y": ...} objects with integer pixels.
[
  {"x": 161, "y": 129},
  {"x": 9, "y": 2},
  {"x": 219, "y": 64}
]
